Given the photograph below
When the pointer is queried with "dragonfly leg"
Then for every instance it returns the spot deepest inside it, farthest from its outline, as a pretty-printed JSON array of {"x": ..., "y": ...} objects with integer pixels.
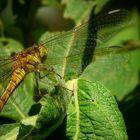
[
  {"x": 50, "y": 70},
  {"x": 54, "y": 81},
  {"x": 38, "y": 93},
  {"x": 54, "y": 76},
  {"x": 41, "y": 77}
]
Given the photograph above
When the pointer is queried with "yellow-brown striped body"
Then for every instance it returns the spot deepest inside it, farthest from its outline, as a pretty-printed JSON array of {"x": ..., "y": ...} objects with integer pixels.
[
  {"x": 17, "y": 76},
  {"x": 24, "y": 62}
]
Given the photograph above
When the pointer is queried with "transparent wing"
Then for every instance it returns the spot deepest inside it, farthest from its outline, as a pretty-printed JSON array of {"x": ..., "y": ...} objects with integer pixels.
[
  {"x": 5, "y": 66},
  {"x": 70, "y": 52},
  {"x": 5, "y": 71}
]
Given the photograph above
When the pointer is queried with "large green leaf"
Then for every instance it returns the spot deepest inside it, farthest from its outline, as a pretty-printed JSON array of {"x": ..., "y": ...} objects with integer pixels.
[
  {"x": 94, "y": 114},
  {"x": 70, "y": 52},
  {"x": 119, "y": 72}
]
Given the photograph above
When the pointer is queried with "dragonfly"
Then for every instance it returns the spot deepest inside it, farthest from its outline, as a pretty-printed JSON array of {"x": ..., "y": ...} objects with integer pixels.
[{"x": 78, "y": 53}]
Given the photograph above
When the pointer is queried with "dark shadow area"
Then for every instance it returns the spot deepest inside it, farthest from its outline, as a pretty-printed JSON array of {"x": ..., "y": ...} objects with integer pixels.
[
  {"x": 6, "y": 120},
  {"x": 130, "y": 108},
  {"x": 35, "y": 109},
  {"x": 90, "y": 42},
  {"x": 59, "y": 133},
  {"x": 119, "y": 4},
  {"x": 4, "y": 42}
]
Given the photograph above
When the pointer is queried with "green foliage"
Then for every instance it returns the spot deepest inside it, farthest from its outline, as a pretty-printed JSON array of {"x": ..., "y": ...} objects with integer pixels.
[
  {"x": 85, "y": 101},
  {"x": 94, "y": 113}
]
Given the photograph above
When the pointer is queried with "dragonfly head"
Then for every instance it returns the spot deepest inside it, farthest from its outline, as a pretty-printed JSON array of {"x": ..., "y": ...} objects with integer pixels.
[{"x": 42, "y": 51}]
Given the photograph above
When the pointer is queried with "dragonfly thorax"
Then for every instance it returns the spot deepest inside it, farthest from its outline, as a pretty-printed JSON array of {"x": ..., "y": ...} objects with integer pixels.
[{"x": 30, "y": 59}]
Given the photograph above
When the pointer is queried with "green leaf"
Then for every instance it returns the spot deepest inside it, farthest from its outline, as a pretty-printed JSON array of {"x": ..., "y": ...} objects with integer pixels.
[
  {"x": 70, "y": 52},
  {"x": 84, "y": 9},
  {"x": 53, "y": 110},
  {"x": 118, "y": 72},
  {"x": 9, "y": 131},
  {"x": 9, "y": 46},
  {"x": 94, "y": 114}
]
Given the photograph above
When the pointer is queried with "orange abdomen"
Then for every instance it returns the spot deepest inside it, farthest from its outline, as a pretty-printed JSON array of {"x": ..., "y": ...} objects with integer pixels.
[{"x": 17, "y": 76}]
